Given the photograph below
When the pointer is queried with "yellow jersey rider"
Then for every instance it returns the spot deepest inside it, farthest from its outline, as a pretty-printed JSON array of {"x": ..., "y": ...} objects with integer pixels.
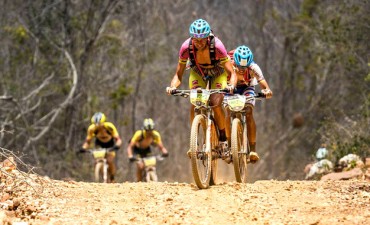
[
  {"x": 106, "y": 136},
  {"x": 208, "y": 57},
  {"x": 140, "y": 143}
]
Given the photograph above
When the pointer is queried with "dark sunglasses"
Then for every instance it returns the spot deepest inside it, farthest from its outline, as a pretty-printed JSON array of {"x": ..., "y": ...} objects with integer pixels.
[{"x": 242, "y": 67}]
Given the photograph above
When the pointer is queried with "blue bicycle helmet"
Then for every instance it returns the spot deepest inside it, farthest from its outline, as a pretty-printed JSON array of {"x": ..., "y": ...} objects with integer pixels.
[
  {"x": 243, "y": 56},
  {"x": 199, "y": 29}
]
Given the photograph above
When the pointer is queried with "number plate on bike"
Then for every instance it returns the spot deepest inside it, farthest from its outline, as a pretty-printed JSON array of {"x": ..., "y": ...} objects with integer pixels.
[
  {"x": 199, "y": 98},
  {"x": 236, "y": 102},
  {"x": 99, "y": 154},
  {"x": 150, "y": 161}
]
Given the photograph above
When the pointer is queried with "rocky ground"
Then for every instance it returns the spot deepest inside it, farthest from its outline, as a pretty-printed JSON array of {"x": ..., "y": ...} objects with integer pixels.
[{"x": 30, "y": 199}]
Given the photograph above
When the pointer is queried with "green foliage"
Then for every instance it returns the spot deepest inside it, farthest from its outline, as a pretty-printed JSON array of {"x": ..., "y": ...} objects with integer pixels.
[
  {"x": 120, "y": 93},
  {"x": 367, "y": 78},
  {"x": 359, "y": 145},
  {"x": 18, "y": 33},
  {"x": 308, "y": 8}
]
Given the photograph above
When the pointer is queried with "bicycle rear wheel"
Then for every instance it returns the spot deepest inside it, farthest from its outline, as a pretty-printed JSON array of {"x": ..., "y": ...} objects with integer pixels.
[
  {"x": 200, "y": 157},
  {"x": 239, "y": 148}
]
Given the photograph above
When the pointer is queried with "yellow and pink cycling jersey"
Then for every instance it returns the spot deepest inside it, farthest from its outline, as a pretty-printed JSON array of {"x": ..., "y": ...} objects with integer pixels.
[{"x": 217, "y": 72}]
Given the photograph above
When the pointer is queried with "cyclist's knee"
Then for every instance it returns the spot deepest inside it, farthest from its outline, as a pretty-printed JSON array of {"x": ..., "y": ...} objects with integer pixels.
[
  {"x": 216, "y": 100},
  {"x": 249, "y": 110},
  {"x": 140, "y": 166}
]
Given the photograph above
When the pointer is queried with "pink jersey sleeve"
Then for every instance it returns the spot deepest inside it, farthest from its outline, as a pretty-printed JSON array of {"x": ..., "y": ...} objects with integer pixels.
[
  {"x": 184, "y": 51},
  {"x": 221, "y": 52}
]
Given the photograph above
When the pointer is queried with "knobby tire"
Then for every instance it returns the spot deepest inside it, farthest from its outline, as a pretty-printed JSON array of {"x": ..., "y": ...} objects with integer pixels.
[
  {"x": 200, "y": 159},
  {"x": 152, "y": 176},
  {"x": 239, "y": 145},
  {"x": 98, "y": 174},
  {"x": 214, "y": 162}
]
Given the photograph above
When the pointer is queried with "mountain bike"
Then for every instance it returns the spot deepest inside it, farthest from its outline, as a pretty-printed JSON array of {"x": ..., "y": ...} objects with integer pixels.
[
  {"x": 101, "y": 165},
  {"x": 240, "y": 148},
  {"x": 204, "y": 135},
  {"x": 150, "y": 170}
]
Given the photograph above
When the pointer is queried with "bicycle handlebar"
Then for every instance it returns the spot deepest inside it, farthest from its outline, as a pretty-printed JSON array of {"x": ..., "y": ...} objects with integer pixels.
[
  {"x": 91, "y": 151},
  {"x": 186, "y": 93},
  {"x": 260, "y": 95},
  {"x": 159, "y": 157}
]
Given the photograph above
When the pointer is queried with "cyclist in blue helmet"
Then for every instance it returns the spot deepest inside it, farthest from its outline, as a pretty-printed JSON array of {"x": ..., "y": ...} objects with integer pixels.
[
  {"x": 199, "y": 29},
  {"x": 249, "y": 74},
  {"x": 208, "y": 59}
]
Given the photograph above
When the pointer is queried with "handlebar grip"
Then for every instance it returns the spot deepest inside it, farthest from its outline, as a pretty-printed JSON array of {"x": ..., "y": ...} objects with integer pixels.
[
  {"x": 173, "y": 92},
  {"x": 260, "y": 95}
]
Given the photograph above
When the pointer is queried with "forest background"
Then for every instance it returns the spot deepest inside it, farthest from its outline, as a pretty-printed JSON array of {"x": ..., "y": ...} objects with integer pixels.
[{"x": 63, "y": 60}]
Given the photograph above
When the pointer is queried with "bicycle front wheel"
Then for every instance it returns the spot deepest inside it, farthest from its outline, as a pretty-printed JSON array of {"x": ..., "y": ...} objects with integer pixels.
[
  {"x": 238, "y": 140},
  {"x": 200, "y": 157},
  {"x": 214, "y": 162},
  {"x": 98, "y": 174},
  {"x": 151, "y": 176}
]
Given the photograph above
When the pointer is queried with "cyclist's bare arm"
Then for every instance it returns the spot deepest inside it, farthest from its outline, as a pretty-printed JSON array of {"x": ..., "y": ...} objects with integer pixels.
[
  {"x": 230, "y": 72},
  {"x": 118, "y": 141},
  {"x": 162, "y": 148},
  {"x": 264, "y": 86},
  {"x": 86, "y": 144},
  {"x": 177, "y": 78},
  {"x": 130, "y": 153}
]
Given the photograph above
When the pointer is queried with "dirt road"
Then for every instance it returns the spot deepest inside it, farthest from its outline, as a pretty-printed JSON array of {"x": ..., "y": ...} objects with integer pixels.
[{"x": 262, "y": 202}]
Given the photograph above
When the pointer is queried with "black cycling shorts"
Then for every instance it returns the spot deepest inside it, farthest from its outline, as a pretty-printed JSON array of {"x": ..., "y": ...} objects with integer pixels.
[
  {"x": 108, "y": 144},
  {"x": 142, "y": 152}
]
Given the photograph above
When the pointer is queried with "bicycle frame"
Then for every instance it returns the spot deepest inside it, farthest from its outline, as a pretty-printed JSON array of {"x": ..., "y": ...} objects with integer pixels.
[
  {"x": 101, "y": 164},
  {"x": 150, "y": 170},
  {"x": 237, "y": 105},
  {"x": 200, "y": 98}
]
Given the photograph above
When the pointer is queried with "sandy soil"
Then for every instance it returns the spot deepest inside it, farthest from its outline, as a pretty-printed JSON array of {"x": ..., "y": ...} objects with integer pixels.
[{"x": 44, "y": 201}]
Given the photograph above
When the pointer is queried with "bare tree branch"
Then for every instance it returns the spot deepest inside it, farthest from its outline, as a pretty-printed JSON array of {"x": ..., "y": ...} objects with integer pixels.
[{"x": 55, "y": 113}]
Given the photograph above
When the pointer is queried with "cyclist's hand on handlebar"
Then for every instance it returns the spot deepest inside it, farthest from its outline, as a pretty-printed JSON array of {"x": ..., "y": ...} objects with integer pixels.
[
  {"x": 82, "y": 150},
  {"x": 170, "y": 90},
  {"x": 115, "y": 148},
  {"x": 267, "y": 93},
  {"x": 230, "y": 88},
  {"x": 164, "y": 155},
  {"x": 132, "y": 159}
]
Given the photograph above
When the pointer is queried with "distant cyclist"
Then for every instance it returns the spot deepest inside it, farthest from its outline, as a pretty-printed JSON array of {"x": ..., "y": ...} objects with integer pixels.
[
  {"x": 322, "y": 152},
  {"x": 140, "y": 145},
  {"x": 248, "y": 75},
  {"x": 106, "y": 136}
]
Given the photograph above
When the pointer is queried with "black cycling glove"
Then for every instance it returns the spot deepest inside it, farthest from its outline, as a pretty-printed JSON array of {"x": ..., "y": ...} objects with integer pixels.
[
  {"x": 132, "y": 159},
  {"x": 164, "y": 155}
]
